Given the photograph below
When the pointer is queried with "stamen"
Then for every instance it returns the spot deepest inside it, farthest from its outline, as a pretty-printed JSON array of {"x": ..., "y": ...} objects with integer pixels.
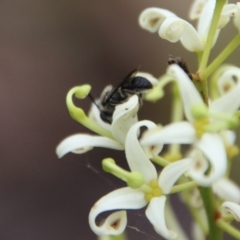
[
  {"x": 232, "y": 151},
  {"x": 199, "y": 126},
  {"x": 155, "y": 191}
]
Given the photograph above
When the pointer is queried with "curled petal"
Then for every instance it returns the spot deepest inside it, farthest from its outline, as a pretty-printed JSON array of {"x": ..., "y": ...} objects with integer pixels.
[
  {"x": 228, "y": 103},
  {"x": 136, "y": 157},
  {"x": 227, "y": 190},
  {"x": 200, "y": 163},
  {"x": 196, "y": 232},
  {"x": 152, "y": 18},
  {"x": 149, "y": 77},
  {"x": 237, "y": 17},
  {"x": 171, "y": 173},
  {"x": 94, "y": 114},
  {"x": 230, "y": 208},
  {"x": 205, "y": 20},
  {"x": 213, "y": 148},
  {"x": 229, "y": 10},
  {"x": 123, "y": 198},
  {"x": 179, "y": 132},
  {"x": 156, "y": 216},
  {"x": 195, "y": 199},
  {"x": 196, "y": 9},
  {"x": 229, "y": 80},
  {"x": 189, "y": 94},
  {"x": 124, "y": 116},
  {"x": 174, "y": 29},
  {"x": 81, "y": 143}
]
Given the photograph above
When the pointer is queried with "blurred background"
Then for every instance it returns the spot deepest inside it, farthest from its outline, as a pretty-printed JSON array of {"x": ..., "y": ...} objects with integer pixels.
[{"x": 46, "y": 48}]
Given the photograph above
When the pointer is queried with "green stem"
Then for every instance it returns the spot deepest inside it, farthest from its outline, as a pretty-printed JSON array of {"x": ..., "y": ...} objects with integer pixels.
[
  {"x": 228, "y": 228},
  {"x": 176, "y": 115},
  {"x": 210, "y": 209},
  {"x": 157, "y": 92},
  {"x": 196, "y": 212},
  {"x": 133, "y": 179},
  {"x": 160, "y": 161},
  {"x": 221, "y": 57},
  {"x": 110, "y": 237},
  {"x": 211, "y": 34},
  {"x": 183, "y": 187}
]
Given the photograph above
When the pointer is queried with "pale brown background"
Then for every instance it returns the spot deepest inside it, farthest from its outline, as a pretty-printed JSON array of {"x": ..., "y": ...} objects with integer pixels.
[{"x": 47, "y": 47}]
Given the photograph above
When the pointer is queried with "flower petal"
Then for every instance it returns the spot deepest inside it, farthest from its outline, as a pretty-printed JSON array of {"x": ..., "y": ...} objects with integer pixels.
[
  {"x": 152, "y": 18},
  {"x": 179, "y": 132},
  {"x": 227, "y": 190},
  {"x": 194, "y": 198},
  {"x": 196, "y": 232},
  {"x": 156, "y": 216},
  {"x": 196, "y": 9},
  {"x": 228, "y": 80},
  {"x": 149, "y": 77},
  {"x": 229, "y": 10},
  {"x": 174, "y": 29},
  {"x": 81, "y": 143},
  {"x": 172, "y": 172},
  {"x": 230, "y": 208},
  {"x": 205, "y": 20},
  {"x": 237, "y": 16},
  {"x": 124, "y": 116},
  {"x": 230, "y": 101},
  {"x": 213, "y": 148},
  {"x": 115, "y": 224},
  {"x": 94, "y": 114},
  {"x": 228, "y": 137},
  {"x": 189, "y": 94},
  {"x": 136, "y": 157}
]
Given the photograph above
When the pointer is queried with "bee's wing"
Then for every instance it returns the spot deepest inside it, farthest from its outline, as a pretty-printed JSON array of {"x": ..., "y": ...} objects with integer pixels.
[{"x": 129, "y": 76}]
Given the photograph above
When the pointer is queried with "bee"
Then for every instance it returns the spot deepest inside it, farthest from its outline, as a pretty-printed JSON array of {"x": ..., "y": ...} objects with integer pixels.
[
  {"x": 179, "y": 61},
  {"x": 111, "y": 97}
]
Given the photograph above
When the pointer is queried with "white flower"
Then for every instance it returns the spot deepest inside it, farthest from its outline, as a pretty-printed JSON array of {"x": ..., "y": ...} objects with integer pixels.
[
  {"x": 128, "y": 198},
  {"x": 227, "y": 190},
  {"x": 228, "y": 80},
  {"x": 173, "y": 28},
  {"x": 196, "y": 9},
  {"x": 125, "y": 115},
  {"x": 237, "y": 17},
  {"x": 195, "y": 131},
  {"x": 231, "y": 208}
]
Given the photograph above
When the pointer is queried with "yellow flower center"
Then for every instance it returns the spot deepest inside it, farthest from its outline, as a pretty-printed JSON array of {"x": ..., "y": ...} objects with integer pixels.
[
  {"x": 156, "y": 191},
  {"x": 232, "y": 151},
  {"x": 199, "y": 126}
]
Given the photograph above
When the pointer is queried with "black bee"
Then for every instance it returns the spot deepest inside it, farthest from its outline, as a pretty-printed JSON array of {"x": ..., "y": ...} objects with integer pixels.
[
  {"x": 111, "y": 97},
  {"x": 179, "y": 61}
]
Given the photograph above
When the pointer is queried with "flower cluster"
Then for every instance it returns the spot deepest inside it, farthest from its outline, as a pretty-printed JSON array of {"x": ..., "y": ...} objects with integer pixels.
[{"x": 208, "y": 99}]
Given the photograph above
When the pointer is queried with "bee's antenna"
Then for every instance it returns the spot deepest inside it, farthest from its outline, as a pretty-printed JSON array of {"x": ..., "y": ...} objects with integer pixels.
[{"x": 93, "y": 100}]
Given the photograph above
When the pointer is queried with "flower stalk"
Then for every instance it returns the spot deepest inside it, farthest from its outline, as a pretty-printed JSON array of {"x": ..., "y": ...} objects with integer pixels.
[
  {"x": 211, "y": 210},
  {"x": 79, "y": 115},
  {"x": 225, "y": 226},
  {"x": 227, "y": 51},
  {"x": 211, "y": 35}
]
